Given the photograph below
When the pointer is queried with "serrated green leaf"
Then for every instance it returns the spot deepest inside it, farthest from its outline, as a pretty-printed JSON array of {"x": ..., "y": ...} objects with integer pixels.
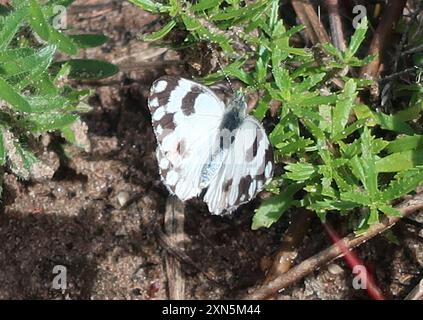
[
  {"x": 394, "y": 123},
  {"x": 89, "y": 68},
  {"x": 160, "y": 33},
  {"x": 404, "y": 183},
  {"x": 33, "y": 65},
  {"x": 239, "y": 13},
  {"x": 63, "y": 42},
  {"x": 389, "y": 211},
  {"x": 38, "y": 21},
  {"x": 405, "y": 143},
  {"x": 240, "y": 74},
  {"x": 14, "y": 98},
  {"x": 357, "y": 38},
  {"x": 190, "y": 23},
  {"x": 400, "y": 161},
  {"x": 294, "y": 146},
  {"x": 299, "y": 171},
  {"x": 148, "y": 5},
  {"x": 11, "y": 25},
  {"x": 41, "y": 104},
  {"x": 85, "y": 41},
  {"x": 373, "y": 216},
  {"x": 262, "y": 107},
  {"x": 205, "y": 5},
  {"x": 368, "y": 163},
  {"x": 329, "y": 205},
  {"x": 343, "y": 108},
  {"x": 272, "y": 208},
  {"x": 44, "y": 122},
  {"x": 356, "y": 197}
]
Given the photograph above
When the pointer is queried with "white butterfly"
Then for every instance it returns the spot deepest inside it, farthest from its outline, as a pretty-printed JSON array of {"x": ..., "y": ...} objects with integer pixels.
[{"x": 204, "y": 146}]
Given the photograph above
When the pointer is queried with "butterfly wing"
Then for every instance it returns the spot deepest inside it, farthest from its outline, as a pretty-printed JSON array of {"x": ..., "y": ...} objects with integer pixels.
[
  {"x": 245, "y": 172},
  {"x": 186, "y": 117}
]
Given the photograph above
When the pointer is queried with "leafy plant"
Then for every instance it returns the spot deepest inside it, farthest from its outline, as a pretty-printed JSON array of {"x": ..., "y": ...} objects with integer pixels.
[
  {"x": 338, "y": 154},
  {"x": 34, "y": 96}
]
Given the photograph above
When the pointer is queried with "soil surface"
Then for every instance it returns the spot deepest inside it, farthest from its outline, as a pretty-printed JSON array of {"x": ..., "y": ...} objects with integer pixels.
[{"x": 99, "y": 213}]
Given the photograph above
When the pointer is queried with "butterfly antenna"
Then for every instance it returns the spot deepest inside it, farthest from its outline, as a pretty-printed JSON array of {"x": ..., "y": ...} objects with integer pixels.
[{"x": 210, "y": 47}]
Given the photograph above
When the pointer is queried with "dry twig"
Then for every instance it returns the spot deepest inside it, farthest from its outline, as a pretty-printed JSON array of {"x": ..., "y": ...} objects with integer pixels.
[
  {"x": 288, "y": 251},
  {"x": 174, "y": 227},
  {"x": 381, "y": 37},
  {"x": 168, "y": 245},
  {"x": 308, "y": 17},
  {"x": 336, "y": 29}
]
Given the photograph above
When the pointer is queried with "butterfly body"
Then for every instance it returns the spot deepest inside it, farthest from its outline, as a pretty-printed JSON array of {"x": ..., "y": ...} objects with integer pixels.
[{"x": 204, "y": 145}]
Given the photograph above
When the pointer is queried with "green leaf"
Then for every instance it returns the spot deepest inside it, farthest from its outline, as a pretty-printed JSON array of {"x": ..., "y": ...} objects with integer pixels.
[
  {"x": 240, "y": 74},
  {"x": 41, "y": 104},
  {"x": 394, "y": 123},
  {"x": 190, "y": 23},
  {"x": 50, "y": 121},
  {"x": 89, "y": 69},
  {"x": 403, "y": 183},
  {"x": 357, "y": 38},
  {"x": 272, "y": 208},
  {"x": 38, "y": 21},
  {"x": 262, "y": 107},
  {"x": 389, "y": 211},
  {"x": 405, "y": 143},
  {"x": 329, "y": 205},
  {"x": 148, "y": 5},
  {"x": 85, "y": 41},
  {"x": 33, "y": 64},
  {"x": 299, "y": 171},
  {"x": 369, "y": 175},
  {"x": 205, "y": 4},
  {"x": 373, "y": 217},
  {"x": 388, "y": 122},
  {"x": 63, "y": 42},
  {"x": 11, "y": 25},
  {"x": 160, "y": 33},
  {"x": 9, "y": 94},
  {"x": 343, "y": 108},
  {"x": 356, "y": 197},
  {"x": 239, "y": 13},
  {"x": 400, "y": 161}
]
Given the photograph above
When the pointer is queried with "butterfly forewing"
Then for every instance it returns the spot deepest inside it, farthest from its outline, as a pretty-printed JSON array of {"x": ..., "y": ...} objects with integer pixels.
[{"x": 186, "y": 117}]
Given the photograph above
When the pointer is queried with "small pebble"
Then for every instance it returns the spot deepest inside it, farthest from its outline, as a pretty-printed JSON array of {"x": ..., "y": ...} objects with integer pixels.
[
  {"x": 335, "y": 269},
  {"x": 123, "y": 198}
]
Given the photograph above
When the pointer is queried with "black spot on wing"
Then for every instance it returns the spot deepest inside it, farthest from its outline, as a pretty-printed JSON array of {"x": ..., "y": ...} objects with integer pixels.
[
  {"x": 162, "y": 96},
  {"x": 181, "y": 148},
  {"x": 252, "y": 151},
  {"x": 243, "y": 187},
  {"x": 167, "y": 124},
  {"x": 188, "y": 101},
  {"x": 227, "y": 185}
]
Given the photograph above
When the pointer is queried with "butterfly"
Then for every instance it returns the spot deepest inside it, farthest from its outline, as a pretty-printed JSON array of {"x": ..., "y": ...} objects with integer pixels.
[{"x": 206, "y": 148}]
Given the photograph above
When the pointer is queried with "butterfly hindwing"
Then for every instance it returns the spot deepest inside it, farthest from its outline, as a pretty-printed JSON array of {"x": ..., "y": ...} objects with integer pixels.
[
  {"x": 246, "y": 170},
  {"x": 186, "y": 117}
]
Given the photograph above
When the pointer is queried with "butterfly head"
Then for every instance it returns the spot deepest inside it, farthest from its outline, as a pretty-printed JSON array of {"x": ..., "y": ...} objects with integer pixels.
[{"x": 238, "y": 103}]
